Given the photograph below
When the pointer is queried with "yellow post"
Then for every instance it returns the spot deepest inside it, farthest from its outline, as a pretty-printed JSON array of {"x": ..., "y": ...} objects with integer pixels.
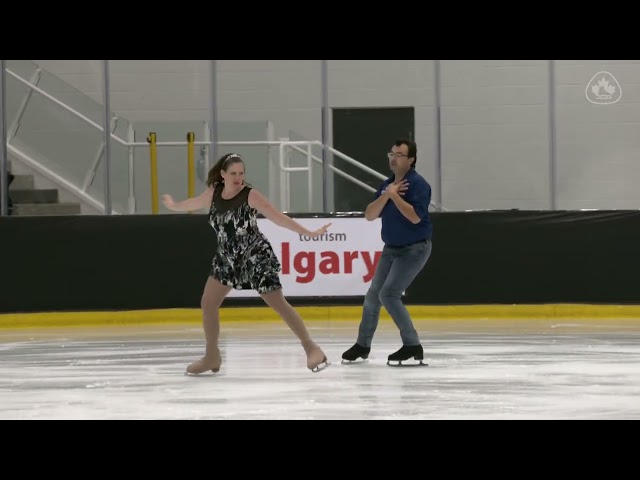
[
  {"x": 153, "y": 155},
  {"x": 191, "y": 174}
]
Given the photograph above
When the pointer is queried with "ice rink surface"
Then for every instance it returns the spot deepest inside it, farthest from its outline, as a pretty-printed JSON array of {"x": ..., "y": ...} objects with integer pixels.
[{"x": 478, "y": 369}]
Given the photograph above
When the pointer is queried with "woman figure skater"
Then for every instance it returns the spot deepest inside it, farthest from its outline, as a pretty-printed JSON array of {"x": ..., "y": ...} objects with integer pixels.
[{"x": 244, "y": 258}]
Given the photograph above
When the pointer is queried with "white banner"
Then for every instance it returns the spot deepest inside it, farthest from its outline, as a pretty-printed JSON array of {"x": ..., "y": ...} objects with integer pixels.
[{"x": 339, "y": 263}]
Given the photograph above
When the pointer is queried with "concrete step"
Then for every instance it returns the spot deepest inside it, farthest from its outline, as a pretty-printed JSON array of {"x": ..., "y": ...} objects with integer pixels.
[
  {"x": 22, "y": 182},
  {"x": 24, "y": 209},
  {"x": 49, "y": 195}
]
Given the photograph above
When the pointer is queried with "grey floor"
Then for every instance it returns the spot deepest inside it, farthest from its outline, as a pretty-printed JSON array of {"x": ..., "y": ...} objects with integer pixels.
[{"x": 478, "y": 369}]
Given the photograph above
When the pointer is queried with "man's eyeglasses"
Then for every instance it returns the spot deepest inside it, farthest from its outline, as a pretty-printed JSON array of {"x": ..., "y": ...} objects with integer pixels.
[{"x": 396, "y": 155}]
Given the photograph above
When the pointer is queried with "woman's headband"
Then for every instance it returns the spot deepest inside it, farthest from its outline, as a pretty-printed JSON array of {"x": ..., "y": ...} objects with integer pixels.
[{"x": 233, "y": 155}]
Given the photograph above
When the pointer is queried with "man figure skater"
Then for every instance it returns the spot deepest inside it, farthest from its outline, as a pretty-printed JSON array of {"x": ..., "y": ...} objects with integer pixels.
[{"x": 402, "y": 202}]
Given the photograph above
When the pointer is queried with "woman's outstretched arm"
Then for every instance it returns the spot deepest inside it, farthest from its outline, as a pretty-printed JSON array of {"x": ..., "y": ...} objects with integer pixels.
[{"x": 197, "y": 203}]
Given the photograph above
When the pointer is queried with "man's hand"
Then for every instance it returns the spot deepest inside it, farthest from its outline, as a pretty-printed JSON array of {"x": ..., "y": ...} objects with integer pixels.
[{"x": 397, "y": 187}]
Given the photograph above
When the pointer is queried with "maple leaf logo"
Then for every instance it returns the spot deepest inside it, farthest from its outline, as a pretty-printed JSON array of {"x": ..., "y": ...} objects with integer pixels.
[
  {"x": 603, "y": 89},
  {"x": 603, "y": 83},
  {"x": 610, "y": 89}
]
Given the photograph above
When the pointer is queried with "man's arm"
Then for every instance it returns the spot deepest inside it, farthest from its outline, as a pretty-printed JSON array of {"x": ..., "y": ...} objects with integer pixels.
[
  {"x": 375, "y": 208},
  {"x": 405, "y": 208},
  {"x": 417, "y": 206}
]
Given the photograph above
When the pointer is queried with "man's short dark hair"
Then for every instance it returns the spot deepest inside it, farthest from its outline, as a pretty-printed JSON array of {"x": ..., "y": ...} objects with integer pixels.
[{"x": 412, "y": 147}]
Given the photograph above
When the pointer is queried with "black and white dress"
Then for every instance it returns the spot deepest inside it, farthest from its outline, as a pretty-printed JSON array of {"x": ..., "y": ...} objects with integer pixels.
[{"x": 244, "y": 258}]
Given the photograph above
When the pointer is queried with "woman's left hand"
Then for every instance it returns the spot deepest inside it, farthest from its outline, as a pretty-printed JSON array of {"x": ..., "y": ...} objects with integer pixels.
[{"x": 319, "y": 232}]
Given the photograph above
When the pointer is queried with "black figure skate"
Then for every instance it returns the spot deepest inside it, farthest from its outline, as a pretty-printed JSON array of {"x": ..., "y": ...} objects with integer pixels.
[
  {"x": 404, "y": 354},
  {"x": 355, "y": 352}
]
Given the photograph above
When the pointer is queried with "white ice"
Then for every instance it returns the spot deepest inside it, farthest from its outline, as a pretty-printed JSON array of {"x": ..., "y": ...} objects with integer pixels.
[{"x": 506, "y": 369}]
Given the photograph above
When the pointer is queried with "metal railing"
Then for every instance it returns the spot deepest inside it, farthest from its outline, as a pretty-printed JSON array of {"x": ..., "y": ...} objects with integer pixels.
[
  {"x": 348, "y": 159},
  {"x": 284, "y": 146}
]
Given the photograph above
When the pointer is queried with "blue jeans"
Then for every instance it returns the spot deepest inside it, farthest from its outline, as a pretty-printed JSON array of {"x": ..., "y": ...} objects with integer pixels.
[{"x": 397, "y": 268}]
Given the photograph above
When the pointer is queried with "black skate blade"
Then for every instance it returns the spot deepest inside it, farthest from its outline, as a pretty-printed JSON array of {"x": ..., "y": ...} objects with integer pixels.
[
  {"x": 357, "y": 361},
  {"x": 398, "y": 363}
]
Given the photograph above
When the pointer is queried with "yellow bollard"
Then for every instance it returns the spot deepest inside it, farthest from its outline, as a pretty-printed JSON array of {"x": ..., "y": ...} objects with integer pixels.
[
  {"x": 153, "y": 155},
  {"x": 191, "y": 174}
]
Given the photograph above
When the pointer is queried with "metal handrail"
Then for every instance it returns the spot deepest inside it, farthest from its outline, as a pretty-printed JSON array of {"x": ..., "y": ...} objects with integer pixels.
[
  {"x": 338, "y": 171},
  {"x": 351, "y": 178},
  {"x": 282, "y": 144},
  {"x": 63, "y": 105}
]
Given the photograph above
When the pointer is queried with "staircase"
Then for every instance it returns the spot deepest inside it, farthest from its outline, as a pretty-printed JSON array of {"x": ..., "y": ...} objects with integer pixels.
[
  {"x": 29, "y": 200},
  {"x": 46, "y": 140}
]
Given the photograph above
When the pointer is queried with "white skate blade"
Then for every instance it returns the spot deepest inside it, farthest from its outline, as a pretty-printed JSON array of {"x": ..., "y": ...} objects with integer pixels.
[
  {"x": 206, "y": 373},
  {"x": 319, "y": 368}
]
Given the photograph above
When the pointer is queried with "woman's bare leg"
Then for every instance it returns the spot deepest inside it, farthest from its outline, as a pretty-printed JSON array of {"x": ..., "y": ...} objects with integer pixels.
[
  {"x": 212, "y": 297},
  {"x": 276, "y": 300}
]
